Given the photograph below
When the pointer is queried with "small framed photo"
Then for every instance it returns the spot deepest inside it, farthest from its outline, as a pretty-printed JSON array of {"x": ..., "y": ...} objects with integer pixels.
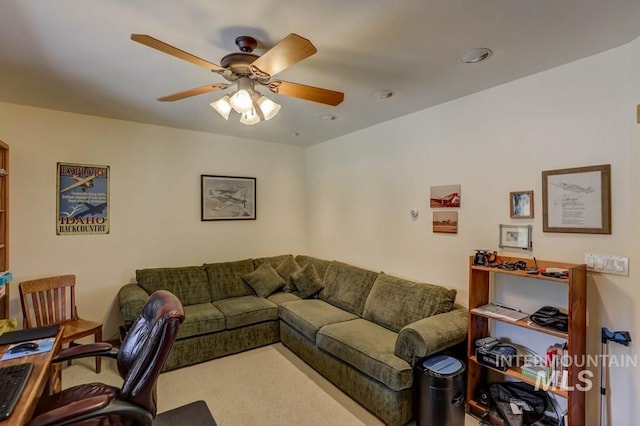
[
  {"x": 444, "y": 196},
  {"x": 514, "y": 236},
  {"x": 445, "y": 222},
  {"x": 228, "y": 198},
  {"x": 521, "y": 203}
]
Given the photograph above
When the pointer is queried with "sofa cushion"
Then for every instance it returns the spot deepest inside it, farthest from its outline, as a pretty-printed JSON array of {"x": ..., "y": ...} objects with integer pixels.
[
  {"x": 307, "y": 281},
  {"x": 264, "y": 280},
  {"x": 321, "y": 265},
  {"x": 246, "y": 310},
  {"x": 287, "y": 267},
  {"x": 188, "y": 283},
  {"x": 225, "y": 279},
  {"x": 280, "y": 297},
  {"x": 199, "y": 319},
  {"x": 395, "y": 302},
  {"x": 308, "y": 316},
  {"x": 273, "y": 260},
  {"x": 369, "y": 348},
  {"x": 347, "y": 286}
]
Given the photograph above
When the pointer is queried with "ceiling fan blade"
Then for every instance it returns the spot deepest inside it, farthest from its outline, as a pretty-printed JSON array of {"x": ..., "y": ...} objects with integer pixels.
[
  {"x": 193, "y": 92},
  {"x": 289, "y": 51},
  {"x": 309, "y": 93},
  {"x": 174, "y": 51}
]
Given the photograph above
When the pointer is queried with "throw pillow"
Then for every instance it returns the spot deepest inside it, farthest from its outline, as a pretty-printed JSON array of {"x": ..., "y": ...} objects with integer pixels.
[
  {"x": 307, "y": 281},
  {"x": 264, "y": 280},
  {"x": 285, "y": 269}
]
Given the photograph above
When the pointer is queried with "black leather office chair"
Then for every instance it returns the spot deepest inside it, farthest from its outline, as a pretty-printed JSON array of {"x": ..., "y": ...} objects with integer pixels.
[{"x": 140, "y": 359}]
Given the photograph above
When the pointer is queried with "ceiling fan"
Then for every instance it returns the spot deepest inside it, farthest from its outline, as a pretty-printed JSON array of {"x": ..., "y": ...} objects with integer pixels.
[{"x": 245, "y": 70}]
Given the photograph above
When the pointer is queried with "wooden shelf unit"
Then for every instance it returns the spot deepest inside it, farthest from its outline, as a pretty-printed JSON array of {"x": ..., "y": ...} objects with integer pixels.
[
  {"x": 4, "y": 224},
  {"x": 480, "y": 281}
]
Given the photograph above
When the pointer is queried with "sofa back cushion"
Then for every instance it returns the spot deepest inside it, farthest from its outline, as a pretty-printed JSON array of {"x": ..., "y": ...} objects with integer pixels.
[
  {"x": 395, "y": 302},
  {"x": 273, "y": 260},
  {"x": 347, "y": 286},
  {"x": 188, "y": 283},
  {"x": 225, "y": 279}
]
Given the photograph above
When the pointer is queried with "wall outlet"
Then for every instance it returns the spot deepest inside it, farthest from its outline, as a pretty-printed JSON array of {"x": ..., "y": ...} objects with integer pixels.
[{"x": 616, "y": 265}]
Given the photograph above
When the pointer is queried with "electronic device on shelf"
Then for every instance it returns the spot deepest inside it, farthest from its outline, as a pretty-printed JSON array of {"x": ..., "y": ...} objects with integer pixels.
[
  {"x": 487, "y": 342},
  {"x": 500, "y": 356}
]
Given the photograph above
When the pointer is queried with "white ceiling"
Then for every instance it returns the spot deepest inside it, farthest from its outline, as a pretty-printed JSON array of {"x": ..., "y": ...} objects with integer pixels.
[{"x": 76, "y": 55}]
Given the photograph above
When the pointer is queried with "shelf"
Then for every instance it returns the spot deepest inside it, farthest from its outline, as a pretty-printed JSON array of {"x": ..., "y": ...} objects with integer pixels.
[
  {"x": 525, "y": 323},
  {"x": 482, "y": 280},
  {"x": 513, "y": 372},
  {"x": 523, "y": 274}
]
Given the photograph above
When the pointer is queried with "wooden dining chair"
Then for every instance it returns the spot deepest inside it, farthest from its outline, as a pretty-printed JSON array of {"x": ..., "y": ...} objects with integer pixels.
[{"x": 52, "y": 300}]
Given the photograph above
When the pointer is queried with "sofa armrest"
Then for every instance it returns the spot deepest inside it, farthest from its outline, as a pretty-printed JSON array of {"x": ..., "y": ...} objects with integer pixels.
[
  {"x": 431, "y": 335},
  {"x": 132, "y": 298}
]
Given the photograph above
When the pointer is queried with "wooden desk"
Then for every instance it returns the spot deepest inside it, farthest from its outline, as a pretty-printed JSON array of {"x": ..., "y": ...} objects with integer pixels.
[{"x": 44, "y": 377}]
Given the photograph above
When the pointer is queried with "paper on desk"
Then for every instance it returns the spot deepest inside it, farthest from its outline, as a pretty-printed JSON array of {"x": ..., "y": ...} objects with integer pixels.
[{"x": 44, "y": 345}]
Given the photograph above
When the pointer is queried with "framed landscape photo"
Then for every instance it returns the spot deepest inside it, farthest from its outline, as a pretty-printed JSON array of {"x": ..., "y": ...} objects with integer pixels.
[
  {"x": 514, "y": 236},
  {"x": 577, "y": 200},
  {"x": 445, "y": 222},
  {"x": 228, "y": 197},
  {"x": 521, "y": 204}
]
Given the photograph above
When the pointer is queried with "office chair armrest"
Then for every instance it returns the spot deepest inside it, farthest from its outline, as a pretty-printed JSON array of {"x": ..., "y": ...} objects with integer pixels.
[
  {"x": 88, "y": 350},
  {"x": 70, "y": 411},
  {"x": 96, "y": 406}
]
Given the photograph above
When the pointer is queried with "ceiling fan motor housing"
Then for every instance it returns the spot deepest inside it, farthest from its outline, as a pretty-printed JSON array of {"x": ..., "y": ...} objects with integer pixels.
[{"x": 246, "y": 43}]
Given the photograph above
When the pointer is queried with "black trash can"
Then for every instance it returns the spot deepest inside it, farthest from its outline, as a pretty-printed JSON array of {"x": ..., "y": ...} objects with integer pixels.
[{"x": 440, "y": 391}]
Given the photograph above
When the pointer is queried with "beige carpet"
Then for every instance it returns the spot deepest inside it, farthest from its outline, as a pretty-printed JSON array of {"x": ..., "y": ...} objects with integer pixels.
[{"x": 264, "y": 386}]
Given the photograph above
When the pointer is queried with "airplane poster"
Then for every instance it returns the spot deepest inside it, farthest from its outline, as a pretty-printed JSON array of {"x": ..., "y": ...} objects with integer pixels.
[
  {"x": 228, "y": 198},
  {"x": 82, "y": 196}
]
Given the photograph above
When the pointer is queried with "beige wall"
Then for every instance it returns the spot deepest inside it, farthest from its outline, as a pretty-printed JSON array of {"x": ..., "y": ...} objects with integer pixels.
[
  {"x": 365, "y": 184},
  {"x": 154, "y": 206}
]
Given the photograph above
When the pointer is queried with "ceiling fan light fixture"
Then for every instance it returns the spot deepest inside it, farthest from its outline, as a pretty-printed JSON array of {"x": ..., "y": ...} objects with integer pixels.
[
  {"x": 268, "y": 107},
  {"x": 222, "y": 106},
  {"x": 250, "y": 117},
  {"x": 241, "y": 101}
]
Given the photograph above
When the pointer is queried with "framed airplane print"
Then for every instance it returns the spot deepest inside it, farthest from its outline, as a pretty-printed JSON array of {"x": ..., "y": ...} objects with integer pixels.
[
  {"x": 577, "y": 200},
  {"x": 228, "y": 197}
]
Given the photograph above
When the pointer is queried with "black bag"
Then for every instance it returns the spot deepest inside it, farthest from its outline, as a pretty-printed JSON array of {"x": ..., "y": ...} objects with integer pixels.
[
  {"x": 549, "y": 316},
  {"x": 533, "y": 403}
]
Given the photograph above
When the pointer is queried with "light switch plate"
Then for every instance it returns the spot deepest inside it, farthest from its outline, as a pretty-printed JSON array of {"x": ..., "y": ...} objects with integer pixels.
[{"x": 616, "y": 265}]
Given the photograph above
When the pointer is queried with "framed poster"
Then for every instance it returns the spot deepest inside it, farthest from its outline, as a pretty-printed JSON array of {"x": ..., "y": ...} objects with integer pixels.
[
  {"x": 577, "y": 200},
  {"x": 228, "y": 198},
  {"x": 82, "y": 202},
  {"x": 521, "y": 204}
]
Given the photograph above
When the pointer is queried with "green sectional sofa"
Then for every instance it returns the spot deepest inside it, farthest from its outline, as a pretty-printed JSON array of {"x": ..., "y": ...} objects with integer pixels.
[{"x": 364, "y": 331}]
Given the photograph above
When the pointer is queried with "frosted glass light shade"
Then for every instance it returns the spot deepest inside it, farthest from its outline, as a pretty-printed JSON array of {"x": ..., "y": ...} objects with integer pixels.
[
  {"x": 241, "y": 101},
  {"x": 268, "y": 107},
  {"x": 250, "y": 118},
  {"x": 223, "y": 106}
]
